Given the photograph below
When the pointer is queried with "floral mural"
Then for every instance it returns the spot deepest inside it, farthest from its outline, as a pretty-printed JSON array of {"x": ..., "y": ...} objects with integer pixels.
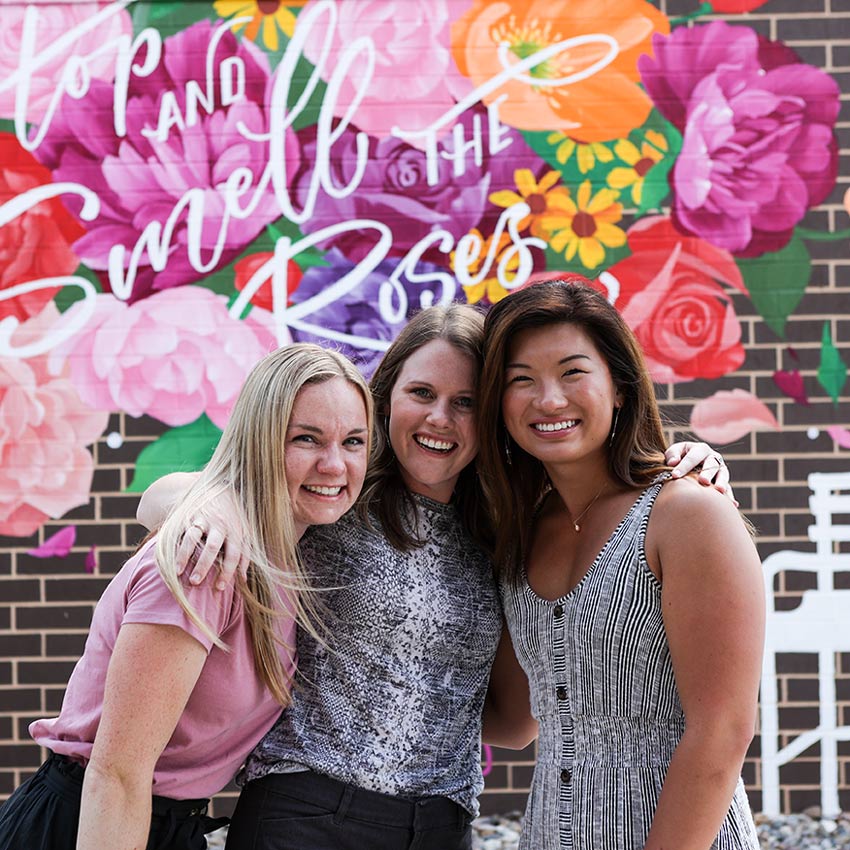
[{"x": 320, "y": 170}]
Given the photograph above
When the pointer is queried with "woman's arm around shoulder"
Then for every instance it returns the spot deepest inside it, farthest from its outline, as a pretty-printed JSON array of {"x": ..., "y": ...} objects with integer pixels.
[
  {"x": 713, "y": 607},
  {"x": 152, "y": 672},
  {"x": 507, "y": 718}
]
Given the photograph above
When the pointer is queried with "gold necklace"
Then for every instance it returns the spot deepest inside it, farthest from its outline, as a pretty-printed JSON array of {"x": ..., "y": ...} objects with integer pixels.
[{"x": 590, "y": 504}]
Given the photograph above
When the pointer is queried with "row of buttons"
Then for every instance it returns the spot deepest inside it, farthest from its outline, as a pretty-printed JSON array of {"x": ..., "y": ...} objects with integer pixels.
[{"x": 561, "y": 693}]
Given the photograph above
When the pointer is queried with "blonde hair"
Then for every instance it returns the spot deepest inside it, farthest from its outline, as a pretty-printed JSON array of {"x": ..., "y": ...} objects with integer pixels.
[{"x": 248, "y": 467}]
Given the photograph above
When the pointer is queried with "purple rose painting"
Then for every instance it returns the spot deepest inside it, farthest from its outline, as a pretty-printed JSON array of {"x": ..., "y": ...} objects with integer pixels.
[
  {"x": 758, "y": 145},
  {"x": 395, "y": 189},
  {"x": 175, "y": 142}
]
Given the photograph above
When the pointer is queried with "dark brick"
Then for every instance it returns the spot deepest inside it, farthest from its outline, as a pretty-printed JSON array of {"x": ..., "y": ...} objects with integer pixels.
[
  {"x": 501, "y": 754},
  {"x": 83, "y": 512},
  {"x": 44, "y": 672},
  {"x": 802, "y": 798},
  {"x": 20, "y": 590},
  {"x": 765, "y": 524},
  {"x": 7, "y": 782},
  {"x": 792, "y": 441},
  {"x": 5, "y": 672},
  {"x": 497, "y": 777},
  {"x": 799, "y": 469},
  {"x": 496, "y": 803},
  {"x": 796, "y": 525},
  {"x": 782, "y": 496},
  {"x": 66, "y": 645},
  {"x": 222, "y": 806},
  {"x": 796, "y": 662},
  {"x": 119, "y": 507},
  {"x": 6, "y": 727},
  {"x": 53, "y": 700},
  {"x": 106, "y": 480},
  {"x": 54, "y": 617},
  {"x": 20, "y": 699},
  {"x": 16, "y": 645},
  {"x": 798, "y": 580},
  {"x": 5, "y": 617},
  {"x": 521, "y": 775},
  {"x": 74, "y": 563},
  {"x": 24, "y": 725},
  {"x": 74, "y": 589},
  {"x": 802, "y": 690},
  {"x": 143, "y": 426},
  {"x": 102, "y": 534},
  {"x": 19, "y": 755}
]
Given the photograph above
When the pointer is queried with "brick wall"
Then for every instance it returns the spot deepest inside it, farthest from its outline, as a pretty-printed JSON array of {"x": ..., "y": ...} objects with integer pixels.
[{"x": 46, "y": 603}]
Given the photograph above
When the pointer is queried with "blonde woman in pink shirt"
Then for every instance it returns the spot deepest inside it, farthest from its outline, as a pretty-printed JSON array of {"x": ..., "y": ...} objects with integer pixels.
[{"x": 178, "y": 682}]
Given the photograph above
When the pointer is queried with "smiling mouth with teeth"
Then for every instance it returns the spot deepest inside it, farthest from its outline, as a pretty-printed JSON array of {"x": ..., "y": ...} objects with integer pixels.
[
  {"x": 548, "y": 427},
  {"x": 323, "y": 491},
  {"x": 435, "y": 445}
]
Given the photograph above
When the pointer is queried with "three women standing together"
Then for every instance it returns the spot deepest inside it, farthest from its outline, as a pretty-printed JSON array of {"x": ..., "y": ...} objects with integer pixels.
[{"x": 642, "y": 651}]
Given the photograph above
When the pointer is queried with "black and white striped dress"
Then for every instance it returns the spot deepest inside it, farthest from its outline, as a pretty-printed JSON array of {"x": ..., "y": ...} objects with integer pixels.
[{"x": 603, "y": 690}]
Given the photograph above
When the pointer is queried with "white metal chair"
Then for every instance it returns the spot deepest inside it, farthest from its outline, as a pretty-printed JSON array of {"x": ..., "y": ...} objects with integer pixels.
[{"x": 821, "y": 625}]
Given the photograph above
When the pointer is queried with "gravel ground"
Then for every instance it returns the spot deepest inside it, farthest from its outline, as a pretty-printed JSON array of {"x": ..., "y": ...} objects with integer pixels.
[{"x": 787, "y": 832}]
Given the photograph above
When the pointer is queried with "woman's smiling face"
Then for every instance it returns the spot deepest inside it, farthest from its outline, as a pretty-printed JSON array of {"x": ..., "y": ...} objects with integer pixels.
[
  {"x": 559, "y": 396},
  {"x": 432, "y": 418}
]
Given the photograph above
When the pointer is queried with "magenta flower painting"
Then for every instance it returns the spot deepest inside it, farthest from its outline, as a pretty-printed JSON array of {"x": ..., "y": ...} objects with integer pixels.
[
  {"x": 758, "y": 146},
  {"x": 174, "y": 145}
]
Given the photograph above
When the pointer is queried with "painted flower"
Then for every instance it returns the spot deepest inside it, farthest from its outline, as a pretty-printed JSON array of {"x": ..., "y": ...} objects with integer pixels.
[
  {"x": 96, "y": 41},
  {"x": 668, "y": 292},
  {"x": 589, "y": 226},
  {"x": 37, "y": 244},
  {"x": 146, "y": 358},
  {"x": 600, "y": 98},
  {"x": 758, "y": 146},
  {"x": 489, "y": 289},
  {"x": 407, "y": 37},
  {"x": 638, "y": 162},
  {"x": 267, "y": 17},
  {"x": 363, "y": 320},
  {"x": 394, "y": 188},
  {"x": 587, "y": 155},
  {"x": 244, "y": 270},
  {"x": 546, "y": 201},
  {"x": 45, "y": 468},
  {"x": 170, "y": 149}
]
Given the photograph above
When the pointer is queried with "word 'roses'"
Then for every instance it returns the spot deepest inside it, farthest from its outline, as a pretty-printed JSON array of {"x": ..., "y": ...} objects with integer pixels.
[{"x": 668, "y": 295}]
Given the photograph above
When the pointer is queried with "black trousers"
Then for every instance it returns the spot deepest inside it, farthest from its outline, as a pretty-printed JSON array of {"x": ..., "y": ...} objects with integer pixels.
[
  {"x": 44, "y": 813},
  {"x": 307, "y": 811}
]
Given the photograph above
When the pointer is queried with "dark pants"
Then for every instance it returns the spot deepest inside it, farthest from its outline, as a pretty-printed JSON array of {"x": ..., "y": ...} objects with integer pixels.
[
  {"x": 307, "y": 811},
  {"x": 43, "y": 814}
]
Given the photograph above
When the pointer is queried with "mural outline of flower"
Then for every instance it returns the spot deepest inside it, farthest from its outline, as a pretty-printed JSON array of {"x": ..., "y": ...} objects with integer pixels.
[
  {"x": 758, "y": 146},
  {"x": 590, "y": 226},
  {"x": 145, "y": 359},
  {"x": 605, "y": 105},
  {"x": 670, "y": 296}
]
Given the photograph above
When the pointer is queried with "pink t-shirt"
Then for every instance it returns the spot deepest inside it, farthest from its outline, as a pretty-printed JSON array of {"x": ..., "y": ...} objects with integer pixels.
[{"x": 229, "y": 709}]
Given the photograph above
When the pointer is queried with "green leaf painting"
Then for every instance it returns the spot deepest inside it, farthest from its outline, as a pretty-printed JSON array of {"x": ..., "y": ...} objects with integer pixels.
[
  {"x": 776, "y": 282},
  {"x": 832, "y": 372},
  {"x": 184, "y": 449}
]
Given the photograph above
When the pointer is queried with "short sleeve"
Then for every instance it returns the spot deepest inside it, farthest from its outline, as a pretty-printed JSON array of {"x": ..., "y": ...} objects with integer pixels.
[{"x": 148, "y": 600}]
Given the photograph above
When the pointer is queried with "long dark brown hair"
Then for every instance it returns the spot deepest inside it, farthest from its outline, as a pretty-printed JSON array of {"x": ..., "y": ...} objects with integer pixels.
[
  {"x": 384, "y": 492},
  {"x": 513, "y": 480}
]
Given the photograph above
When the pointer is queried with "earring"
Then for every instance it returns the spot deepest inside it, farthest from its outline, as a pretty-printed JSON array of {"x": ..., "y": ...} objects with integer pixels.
[
  {"x": 508, "y": 457},
  {"x": 614, "y": 427}
]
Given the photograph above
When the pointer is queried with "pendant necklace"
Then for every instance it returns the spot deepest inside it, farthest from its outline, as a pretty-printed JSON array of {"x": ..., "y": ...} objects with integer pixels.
[{"x": 590, "y": 504}]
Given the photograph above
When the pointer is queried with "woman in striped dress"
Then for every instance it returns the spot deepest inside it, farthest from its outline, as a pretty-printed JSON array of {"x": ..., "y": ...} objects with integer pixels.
[{"x": 641, "y": 640}]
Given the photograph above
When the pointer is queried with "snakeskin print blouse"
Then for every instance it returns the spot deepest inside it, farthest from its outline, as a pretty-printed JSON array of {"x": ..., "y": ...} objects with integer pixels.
[{"x": 393, "y": 702}]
